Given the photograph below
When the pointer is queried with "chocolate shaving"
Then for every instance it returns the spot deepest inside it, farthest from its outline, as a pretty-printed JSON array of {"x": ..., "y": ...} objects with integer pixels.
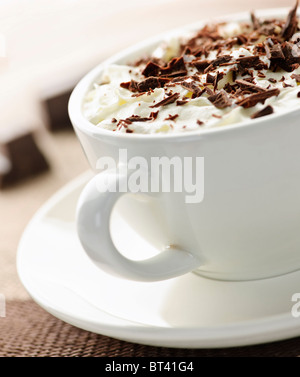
[
  {"x": 242, "y": 39},
  {"x": 172, "y": 117},
  {"x": 181, "y": 102},
  {"x": 192, "y": 87},
  {"x": 200, "y": 123},
  {"x": 291, "y": 24},
  {"x": 243, "y": 84},
  {"x": 251, "y": 62},
  {"x": 261, "y": 113},
  {"x": 267, "y": 30},
  {"x": 210, "y": 78},
  {"x": 218, "y": 77},
  {"x": 137, "y": 118},
  {"x": 200, "y": 65},
  {"x": 145, "y": 85},
  {"x": 291, "y": 59},
  {"x": 215, "y": 63},
  {"x": 255, "y": 21},
  {"x": 254, "y": 99},
  {"x": 261, "y": 75},
  {"x": 209, "y": 91},
  {"x": 166, "y": 101},
  {"x": 274, "y": 52},
  {"x": 285, "y": 85},
  {"x": 151, "y": 83},
  {"x": 130, "y": 85},
  {"x": 154, "y": 114},
  {"x": 176, "y": 67},
  {"x": 151, "y": 69},
  {"x": 220, "y": 100},
  {"x": 296, "y": 77}
]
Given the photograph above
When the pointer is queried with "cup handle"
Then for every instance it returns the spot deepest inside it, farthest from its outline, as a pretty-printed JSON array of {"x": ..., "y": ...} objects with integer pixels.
[{"x": 93, "y": 225}]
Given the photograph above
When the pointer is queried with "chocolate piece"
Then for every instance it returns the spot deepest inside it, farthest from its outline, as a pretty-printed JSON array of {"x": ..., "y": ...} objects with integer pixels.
[
  {"x": 201, "y": 65},
  {"x": 243, "y": 84},
  {"x": 255, "y": 21},
  {"x": 273, "y": 81},
  {"x": 267, "y": 30},
  {"x": 172, "y": 117},
  {"x": 215, "y": 63},
  {"x": 298, "y": 95},
  {"x": 176, "y": 67},
  {"x": 152, "y": 83},
  {"x": 251, "y": 62},
  {"x": 24, "y": 159},
  {"x": 145, "y": 85},
  {"x": 242, "y": 39},
  {"x": 154, "y": 114},
  {"x": 291, "y": 24},
  {"x": 285, "y": 85},
  {"x": 274, "y": 52},
  {"x": 200, "y": 123},
  {"x": 291, "y": 58},
  {"x": 129, "y": 131},
  {"x": 181, "y": 102},
  {"x": 220, "y": 100},
  {"x": 261, "y": 113},
  {"x": 57, "y": 111},
  {"x": 151, "y": 69},
  {"x": 192, "y": 87},
  {"x": 137, "y": 118},
  {"x": 296, "y": 77},
  {"x": 209, "y": 91},
  {"x": 210, "y": 79},
  {"x": 166, "y": 101},
  {"x": 261, "y": 75},
  {"x": 254, "y": 99},
  {"x": 218, "y": 77},
  {"x": 130, "y": 85}
]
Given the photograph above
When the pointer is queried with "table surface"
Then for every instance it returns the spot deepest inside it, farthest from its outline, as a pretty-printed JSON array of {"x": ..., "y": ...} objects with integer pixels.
[{"x": 28, "y": 330}]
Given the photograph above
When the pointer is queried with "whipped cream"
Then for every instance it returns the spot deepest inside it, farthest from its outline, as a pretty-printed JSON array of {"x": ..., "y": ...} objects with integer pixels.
[{"x": 114, "y": 106}]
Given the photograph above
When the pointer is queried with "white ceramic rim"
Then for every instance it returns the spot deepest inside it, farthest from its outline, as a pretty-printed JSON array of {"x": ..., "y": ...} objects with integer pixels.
[
  {"x": 76, "y": 99},
  {"x": 243, "y": 333}
]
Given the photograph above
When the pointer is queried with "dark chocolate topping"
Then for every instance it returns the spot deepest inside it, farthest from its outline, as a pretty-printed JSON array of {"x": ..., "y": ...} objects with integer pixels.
[
  {"x": 166, "y": 101},
  {"x": 220, "y": 100},
  {"x": 296, "y": 77},
  {"x": 291, "y": 24},
  {"x": 254, "y": 99},
  {"x": 243, "y": 84},
  {"x": 261, "y": 113},
  {"x": 176, "y": 67},
  {"x": 270, "y": 39}
]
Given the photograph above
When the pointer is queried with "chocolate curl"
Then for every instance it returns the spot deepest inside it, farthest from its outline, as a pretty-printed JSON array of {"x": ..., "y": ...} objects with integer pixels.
[{"x": 291, "y": 24}]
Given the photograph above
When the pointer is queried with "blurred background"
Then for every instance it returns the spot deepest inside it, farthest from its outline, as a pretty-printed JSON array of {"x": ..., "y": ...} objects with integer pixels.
[{"x": 45, "y": 48}]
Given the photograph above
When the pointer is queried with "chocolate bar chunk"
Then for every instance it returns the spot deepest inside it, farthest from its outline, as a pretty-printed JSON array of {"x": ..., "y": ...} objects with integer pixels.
[
  {"x": 57, "y": 111},
  {"x": 20, "y": 158}
]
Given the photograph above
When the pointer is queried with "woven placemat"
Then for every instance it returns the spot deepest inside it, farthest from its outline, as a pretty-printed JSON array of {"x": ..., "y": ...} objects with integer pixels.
[{"x": 29, "y": 331}]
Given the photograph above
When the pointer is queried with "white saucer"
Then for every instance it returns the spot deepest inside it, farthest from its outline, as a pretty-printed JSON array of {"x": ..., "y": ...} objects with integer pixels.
[{"x": 189, "y": 312}]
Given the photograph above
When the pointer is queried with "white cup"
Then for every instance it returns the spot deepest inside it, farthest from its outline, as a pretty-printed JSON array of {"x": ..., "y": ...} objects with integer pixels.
[{"x": 248, "y": 225}]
